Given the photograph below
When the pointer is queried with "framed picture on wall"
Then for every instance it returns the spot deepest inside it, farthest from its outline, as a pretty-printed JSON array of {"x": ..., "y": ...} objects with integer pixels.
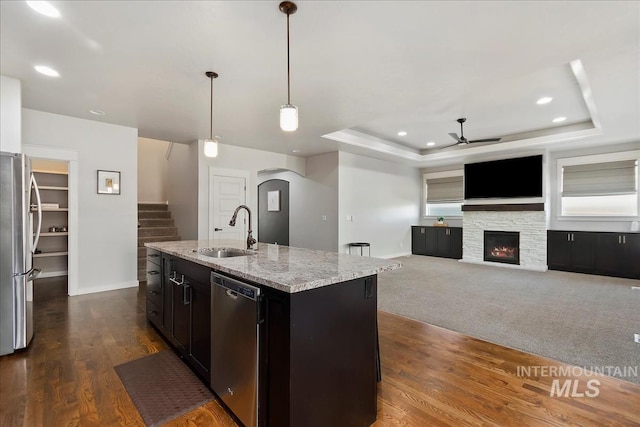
[
  {"x": 108, "y": 182},
  {"x": 273, "y": 201}
]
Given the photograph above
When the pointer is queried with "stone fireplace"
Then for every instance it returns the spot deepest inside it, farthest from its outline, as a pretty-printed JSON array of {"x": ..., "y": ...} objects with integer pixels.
[
  {"x": 529, "y": 222},
  {"x": 502, "y": 246}
]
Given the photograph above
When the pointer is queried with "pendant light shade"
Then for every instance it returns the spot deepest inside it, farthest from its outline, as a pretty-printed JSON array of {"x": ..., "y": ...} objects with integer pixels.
[
  {"x": 211, "y": 145},
  {"x": 288, "y": 117},
  {"x": 288, "y": 112},
  {"x": 211, "y": 148}
]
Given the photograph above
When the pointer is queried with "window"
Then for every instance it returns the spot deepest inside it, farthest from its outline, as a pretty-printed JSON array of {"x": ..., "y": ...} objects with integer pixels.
[
  {"x": 444, "y": 194},
  {"x": 600, "y": 189}
]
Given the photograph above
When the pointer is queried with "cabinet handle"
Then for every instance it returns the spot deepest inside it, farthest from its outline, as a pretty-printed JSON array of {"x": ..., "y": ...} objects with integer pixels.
[
  {"x": 153, "y": 313},
  {"x": 573, "y": 236},
  {"x": 422, "y": 231},
  {"x": 180, "y": 283},
  {"x": 154, "y": 292},
  {"x": 185, "y": 292},
  {"x": 624, "y": 240},
  {"x": 153, "y": 255},
  {"x": 619, "y": 239},
  {"x": 153, "y": 272},
  {"x": 568, "y": 237}
]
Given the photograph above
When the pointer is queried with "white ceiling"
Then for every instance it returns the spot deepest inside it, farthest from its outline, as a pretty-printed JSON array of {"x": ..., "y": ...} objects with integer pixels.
[{"x": 367, "y": 68}]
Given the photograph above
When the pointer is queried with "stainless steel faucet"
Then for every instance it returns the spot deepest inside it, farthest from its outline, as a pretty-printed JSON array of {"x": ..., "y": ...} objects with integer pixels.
[{"x": 250, "y": 240}]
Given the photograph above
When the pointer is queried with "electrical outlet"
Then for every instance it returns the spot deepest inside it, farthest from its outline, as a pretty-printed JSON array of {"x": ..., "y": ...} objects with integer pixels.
[
  {"x": 349, "y": 218},
  {"x": 324, "y": 217},
  {"x": 636, "y": 338}
]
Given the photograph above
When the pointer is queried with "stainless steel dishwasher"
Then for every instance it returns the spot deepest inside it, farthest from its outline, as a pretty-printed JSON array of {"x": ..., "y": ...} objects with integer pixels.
[{"x": 235, "y": 335}]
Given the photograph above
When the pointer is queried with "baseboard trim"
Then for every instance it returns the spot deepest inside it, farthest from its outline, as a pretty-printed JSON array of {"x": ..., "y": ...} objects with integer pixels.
[
  {"x": 394, "y": 255},
  {"x": 115, "y": 287}
]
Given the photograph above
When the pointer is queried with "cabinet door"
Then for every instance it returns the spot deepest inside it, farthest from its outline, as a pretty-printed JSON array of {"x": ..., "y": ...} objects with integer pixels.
[
  {"x": 559, "y": 250},
  {"x": 632, "y": 255},
  {"x": 418, "y": 240},
  {"x": 181, "y": 313},
  {"x": 431, "y": 244},
  {"x": 443, "y": 242},
  {"x": 610, "y": 259},
  {"x": 455, "y": 237},
  {"x": 201, "y": 326},
  {"x": 583, "y": 252}
]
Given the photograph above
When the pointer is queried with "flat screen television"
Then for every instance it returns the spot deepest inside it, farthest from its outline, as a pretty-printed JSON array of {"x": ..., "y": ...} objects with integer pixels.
[{"x": 504, "y": 179}]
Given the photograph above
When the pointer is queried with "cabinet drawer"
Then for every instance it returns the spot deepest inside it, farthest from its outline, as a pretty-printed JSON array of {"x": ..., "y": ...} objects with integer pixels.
[
  {"x": 154, "y": 314},
  {"x": 153, "y": 256},
  {"x": 154, "y": 287}
]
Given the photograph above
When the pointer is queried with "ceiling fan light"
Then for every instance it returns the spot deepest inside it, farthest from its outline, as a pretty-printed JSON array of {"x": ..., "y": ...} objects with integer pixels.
[
  {"x": 288, "y": 117},
  {"x": 211, "y": 148}
]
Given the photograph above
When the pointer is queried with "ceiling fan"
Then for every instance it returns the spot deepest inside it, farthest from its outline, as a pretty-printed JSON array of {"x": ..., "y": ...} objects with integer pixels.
[{"x": 464, "y": 141}]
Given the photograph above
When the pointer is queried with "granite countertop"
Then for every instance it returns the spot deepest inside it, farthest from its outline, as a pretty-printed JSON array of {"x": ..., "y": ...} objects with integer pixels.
[{"x": 280, "y": 267}]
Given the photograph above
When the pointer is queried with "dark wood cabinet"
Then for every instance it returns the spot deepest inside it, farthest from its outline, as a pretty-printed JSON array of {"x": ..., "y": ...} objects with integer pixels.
[
  {"x": 191, "y": 298},
  {"x": 571, "y": 251},
  {"x": 619, "y": 255},
  {"x": 437, "y": 241},
  {"x": 609, "y": 254}
]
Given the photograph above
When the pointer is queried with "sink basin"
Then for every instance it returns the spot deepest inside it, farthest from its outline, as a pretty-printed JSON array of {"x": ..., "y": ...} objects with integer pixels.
[{"x": 224, "y": 252}]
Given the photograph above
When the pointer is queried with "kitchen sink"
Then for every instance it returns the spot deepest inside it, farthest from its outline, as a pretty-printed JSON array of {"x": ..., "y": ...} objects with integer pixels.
[{"x": 224, "y": 252}]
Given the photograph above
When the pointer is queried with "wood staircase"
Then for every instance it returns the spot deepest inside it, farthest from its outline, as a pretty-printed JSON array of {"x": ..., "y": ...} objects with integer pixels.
[{"x": 154, "y": 225}]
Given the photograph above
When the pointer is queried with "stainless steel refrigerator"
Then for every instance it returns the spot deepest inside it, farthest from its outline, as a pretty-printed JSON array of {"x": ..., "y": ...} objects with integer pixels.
[{"x": 20, "y": 224}]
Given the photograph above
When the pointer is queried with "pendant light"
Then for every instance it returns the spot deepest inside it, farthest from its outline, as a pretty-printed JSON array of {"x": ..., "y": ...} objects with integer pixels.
[
  {"x": 211, "y": 145},
  {"x": 288, "y": 112}
]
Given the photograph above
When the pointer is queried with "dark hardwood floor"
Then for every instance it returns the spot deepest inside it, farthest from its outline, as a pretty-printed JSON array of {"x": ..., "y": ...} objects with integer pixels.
[{"x": 431, "y": 376}]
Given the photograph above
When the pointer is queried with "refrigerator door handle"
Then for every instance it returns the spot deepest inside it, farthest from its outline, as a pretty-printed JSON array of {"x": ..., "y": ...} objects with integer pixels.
[{"x": 37, "y": 191}]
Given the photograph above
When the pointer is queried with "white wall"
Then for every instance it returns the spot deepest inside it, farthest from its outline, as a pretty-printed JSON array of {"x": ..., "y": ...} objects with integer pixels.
[
  {"x": 608, "y": 224},
  {"x": 312, "y": 197},
  {"x": 383, "y": 199},
  {"x": 10, "y": 115},
  {"x": 240, "y": 158},
  {"x": 152, "y": 170},
  {"x": 182, "y": 189},
  {"x": 107, "y": 243}
]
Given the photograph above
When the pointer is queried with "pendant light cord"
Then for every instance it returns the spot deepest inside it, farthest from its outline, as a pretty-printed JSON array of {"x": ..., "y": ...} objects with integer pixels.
[
  {"x": 211, "y": 111},
  {"x": 288, "y": 67}
]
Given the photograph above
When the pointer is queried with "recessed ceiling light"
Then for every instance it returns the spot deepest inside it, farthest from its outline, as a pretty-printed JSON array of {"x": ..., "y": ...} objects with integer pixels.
[
  {"x": 295, "y": 151},
  {"x": 559, "y": 119},
  {"x": 430, "y": 144},
  {"x": 47, "y": 71},
  {"x": 402, "y": 133},
  {"x": 45, "y": 8},
  {"x": 97, "y": 112},
  {"x": 545, "y": 100}
]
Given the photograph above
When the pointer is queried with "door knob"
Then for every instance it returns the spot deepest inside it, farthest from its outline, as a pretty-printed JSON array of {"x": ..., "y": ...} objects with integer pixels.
[{"x": 217, "y": 229}]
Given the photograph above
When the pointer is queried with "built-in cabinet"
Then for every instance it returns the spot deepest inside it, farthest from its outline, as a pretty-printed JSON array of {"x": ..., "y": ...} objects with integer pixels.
[
  {"x": 51, "y": 255},
  {"x": 609, "y": 254},
  {"x": 437, "y": 241}
]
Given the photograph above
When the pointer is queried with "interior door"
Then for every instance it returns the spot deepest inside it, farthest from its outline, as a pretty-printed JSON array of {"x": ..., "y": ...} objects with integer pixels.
[{"x": 228, "y": 192}]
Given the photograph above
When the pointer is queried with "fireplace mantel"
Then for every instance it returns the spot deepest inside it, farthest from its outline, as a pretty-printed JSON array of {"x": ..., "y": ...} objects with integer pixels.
[{"x": 512, "y": 207}]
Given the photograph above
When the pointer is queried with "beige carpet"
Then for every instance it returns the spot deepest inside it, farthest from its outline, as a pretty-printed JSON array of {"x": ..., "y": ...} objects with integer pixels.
[{"x": 580, "y": 319}]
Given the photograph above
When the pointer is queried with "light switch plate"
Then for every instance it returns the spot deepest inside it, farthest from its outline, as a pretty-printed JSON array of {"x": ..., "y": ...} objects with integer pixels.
[
  {"x": 636, "y": 338},
  {"x": 324, "y": 217},
  {"x": 349, "y": 218}
]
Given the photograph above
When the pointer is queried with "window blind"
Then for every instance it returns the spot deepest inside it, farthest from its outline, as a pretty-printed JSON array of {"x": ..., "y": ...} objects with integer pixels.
[
  {"x": 599, "y": 179},
  {"x": 448, "y": 189}
]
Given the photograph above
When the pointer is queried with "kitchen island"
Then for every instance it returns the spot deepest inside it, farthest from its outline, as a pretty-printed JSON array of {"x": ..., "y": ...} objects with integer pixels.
[{"x": 315, "y": 322}]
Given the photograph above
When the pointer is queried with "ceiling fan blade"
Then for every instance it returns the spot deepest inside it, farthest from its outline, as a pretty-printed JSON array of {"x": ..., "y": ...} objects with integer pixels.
[
  {"x": 455, "y": 136},
  {"x": 486, "y": 140}
]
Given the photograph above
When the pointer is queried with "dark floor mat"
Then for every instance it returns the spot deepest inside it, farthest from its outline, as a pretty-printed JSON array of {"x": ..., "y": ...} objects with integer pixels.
[{"x": 162, "y": 387}]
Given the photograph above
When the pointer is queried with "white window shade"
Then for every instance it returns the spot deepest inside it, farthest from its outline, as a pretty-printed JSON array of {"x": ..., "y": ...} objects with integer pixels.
[
  {"x": 448, "y": 189},
  {"x": 599, "y": 179}
]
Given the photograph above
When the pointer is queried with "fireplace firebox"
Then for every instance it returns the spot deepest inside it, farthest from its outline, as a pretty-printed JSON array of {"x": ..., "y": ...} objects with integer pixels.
[{"x": 502, "y": 246}]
